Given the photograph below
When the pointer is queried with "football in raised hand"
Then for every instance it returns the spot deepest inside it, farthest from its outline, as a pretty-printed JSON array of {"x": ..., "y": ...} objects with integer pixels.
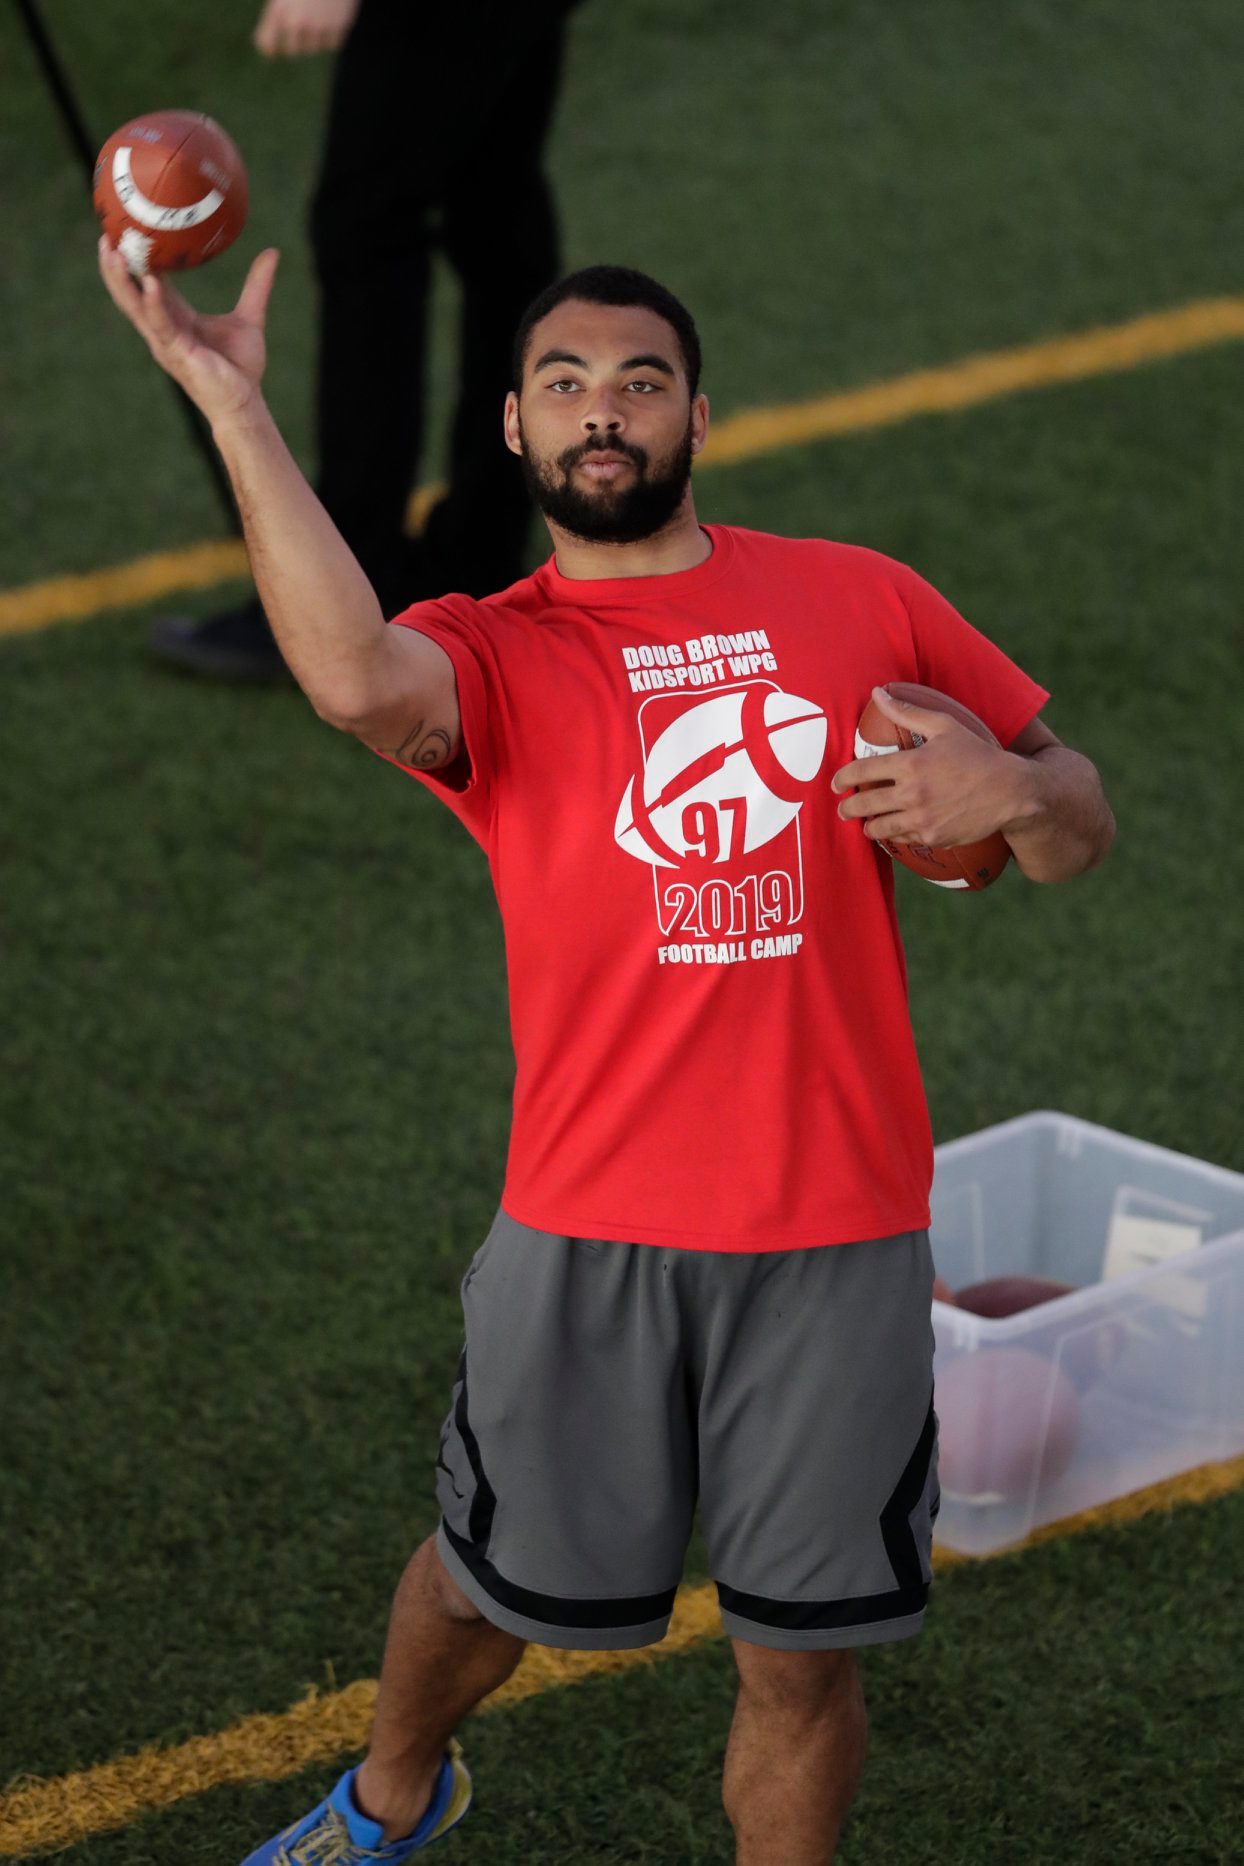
[
  {"x": 170, "y": 191},
  {"x": 974, "y": 865}
]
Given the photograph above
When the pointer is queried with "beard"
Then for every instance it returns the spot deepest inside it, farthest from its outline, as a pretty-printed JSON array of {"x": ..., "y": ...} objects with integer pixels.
[{"x": 610, "y": 514}]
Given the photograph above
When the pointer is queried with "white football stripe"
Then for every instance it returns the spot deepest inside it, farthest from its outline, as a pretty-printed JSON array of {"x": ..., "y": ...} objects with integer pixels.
[
  {"x": 147, "y": 213},
  {"x": 863, "y": 749},
  {"x": 135, "y": 248},
  {"x": 946, "y": 884}
]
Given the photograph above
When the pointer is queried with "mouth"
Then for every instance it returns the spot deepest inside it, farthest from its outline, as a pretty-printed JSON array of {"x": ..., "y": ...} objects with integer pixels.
[{"x": 603, "y": 466}]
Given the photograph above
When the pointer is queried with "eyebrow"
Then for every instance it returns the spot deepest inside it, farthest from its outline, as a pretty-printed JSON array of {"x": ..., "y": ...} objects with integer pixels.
[{"x": 648, "y": 360}]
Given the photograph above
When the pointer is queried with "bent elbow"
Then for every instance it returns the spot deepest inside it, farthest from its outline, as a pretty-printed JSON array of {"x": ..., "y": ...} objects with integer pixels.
[
  {"x": 346, "y": 713},
  {"x": 1105, "y": 839}
]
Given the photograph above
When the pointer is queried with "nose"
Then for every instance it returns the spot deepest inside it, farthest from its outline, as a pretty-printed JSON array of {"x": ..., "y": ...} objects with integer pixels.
[{"x": 604, "y": 414}]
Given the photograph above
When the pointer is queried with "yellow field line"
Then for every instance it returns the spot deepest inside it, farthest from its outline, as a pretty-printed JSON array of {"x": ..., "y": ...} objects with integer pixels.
[
  {"x": 121, "y": 586},
  {"x": 964, "y": 384},
  {"x": 36, "y": 1814},
  {"x": 1106, "y": 349},
  {"x": 146, "y": 579}
]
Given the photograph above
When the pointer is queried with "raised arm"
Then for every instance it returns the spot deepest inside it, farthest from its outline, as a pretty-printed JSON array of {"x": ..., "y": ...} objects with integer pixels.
[{"x": 392, "y": 687}]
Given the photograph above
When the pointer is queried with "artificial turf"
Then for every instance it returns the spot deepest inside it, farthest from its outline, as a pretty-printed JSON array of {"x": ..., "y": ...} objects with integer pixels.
[
  {"x": 1077, "y": 1701},
  {"x": 255, "y": 1101},
  {"x": 256, "y": 1110}
]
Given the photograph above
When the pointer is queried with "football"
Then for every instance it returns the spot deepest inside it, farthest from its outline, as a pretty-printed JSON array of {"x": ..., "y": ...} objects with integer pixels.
[
  {"x": 1007, "y": 1421},
  {"x": 170, "y": 191},
  {"x": 1086, "y": 1352},
  {"x": 973, "y": 866},
  {"x": 1008, "y": 1295}
]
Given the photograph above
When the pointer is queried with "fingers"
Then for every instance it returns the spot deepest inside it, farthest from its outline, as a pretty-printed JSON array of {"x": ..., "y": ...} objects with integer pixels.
[
  {"x": 121, "y": 284},
  {"x": 878, "y": 800},
  {"x": 886, "y": 824},
  {"x": 870, "y": 771},
  {"x": 257, "y": 288},
  {"x": 128, "y": 293},
  {"x": 892, "y": 828},
  {"x": 881, "y": 816},
  {"x": 310, "y": 41},
  {"x": 283, "y": 33},
  {"x": 267, "y": 32},
  {"x": 156, "y": 311},
  {"x": 160, "y": 326},
  {"x": 915, "y": 718}
]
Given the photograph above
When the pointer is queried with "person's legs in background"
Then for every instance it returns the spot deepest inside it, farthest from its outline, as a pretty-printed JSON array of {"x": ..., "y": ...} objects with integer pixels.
[
  {"x": 368, "y": 226},
  {"x": 370, "y": 229},
  {"x": 499, "y": 232},
  {"x": 413, "y": 93}
]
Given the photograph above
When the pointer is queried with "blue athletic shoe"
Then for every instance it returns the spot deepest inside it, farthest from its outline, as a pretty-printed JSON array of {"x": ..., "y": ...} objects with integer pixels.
[{"x": 337, "y": 1834}]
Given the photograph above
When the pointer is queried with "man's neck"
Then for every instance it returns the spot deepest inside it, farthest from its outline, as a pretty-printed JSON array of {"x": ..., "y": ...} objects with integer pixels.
[{"x": 680, "y": 545}]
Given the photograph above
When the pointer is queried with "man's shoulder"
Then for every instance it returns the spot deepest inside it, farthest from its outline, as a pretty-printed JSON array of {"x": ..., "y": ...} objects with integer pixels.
[
  {"x": 525, "y": 597},
  {"x": 820, "y": 554}
]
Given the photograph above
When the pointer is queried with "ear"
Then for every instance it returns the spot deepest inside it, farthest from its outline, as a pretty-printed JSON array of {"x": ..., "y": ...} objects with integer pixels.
[
  {"x": 513, "y": 433},
  {"x": 699, "y": 423}
]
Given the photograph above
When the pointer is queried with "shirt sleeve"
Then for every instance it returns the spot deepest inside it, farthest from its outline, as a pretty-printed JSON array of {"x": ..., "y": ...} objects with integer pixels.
[
  {"x": 466, "y": 784},
  {"x": 957, "y": 659}
]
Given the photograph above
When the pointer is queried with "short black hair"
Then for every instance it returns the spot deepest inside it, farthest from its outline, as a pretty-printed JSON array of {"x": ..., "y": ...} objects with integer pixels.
[{"x": 612, "y": 285}]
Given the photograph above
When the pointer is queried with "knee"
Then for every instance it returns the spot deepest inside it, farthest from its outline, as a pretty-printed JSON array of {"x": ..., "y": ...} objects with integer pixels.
[
  {"x": 796, "y": 1681},
  {"x": 434, "y": 1575}
]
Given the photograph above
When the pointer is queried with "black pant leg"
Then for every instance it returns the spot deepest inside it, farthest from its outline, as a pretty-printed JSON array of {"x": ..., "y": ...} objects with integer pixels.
[
  {"x": 371, "y": 236},
  {"x": 500, "y": 233},
  {"x": 424, "y": 104}
]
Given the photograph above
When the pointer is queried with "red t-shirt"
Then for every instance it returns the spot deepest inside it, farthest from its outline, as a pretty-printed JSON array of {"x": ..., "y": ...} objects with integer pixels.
[{"x": 708, "y": 998}]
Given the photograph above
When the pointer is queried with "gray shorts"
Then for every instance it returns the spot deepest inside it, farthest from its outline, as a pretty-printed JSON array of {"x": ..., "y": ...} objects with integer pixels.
[{"x": 605, "y": 1387}]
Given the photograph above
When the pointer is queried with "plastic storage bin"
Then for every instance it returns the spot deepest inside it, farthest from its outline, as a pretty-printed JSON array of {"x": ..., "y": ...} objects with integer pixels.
[{"x": 1135, "y": 1376}]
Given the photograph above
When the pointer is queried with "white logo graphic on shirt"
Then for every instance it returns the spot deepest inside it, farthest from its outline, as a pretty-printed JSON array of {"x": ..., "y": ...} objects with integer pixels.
[
  {"x": 722, "y": 780},
  {"x": 723, "y": 777}
]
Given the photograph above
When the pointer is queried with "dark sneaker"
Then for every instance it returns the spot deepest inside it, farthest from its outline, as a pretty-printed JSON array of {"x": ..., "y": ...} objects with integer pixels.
[
  {"x": 337, "y": 1834},
  {"x": 237, "y": 644}
]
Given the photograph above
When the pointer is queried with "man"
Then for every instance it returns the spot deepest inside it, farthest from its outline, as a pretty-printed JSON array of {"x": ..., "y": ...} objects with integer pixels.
[
  {"x": 709, "y": 1275},
  {"x": 437, "y": 125}
]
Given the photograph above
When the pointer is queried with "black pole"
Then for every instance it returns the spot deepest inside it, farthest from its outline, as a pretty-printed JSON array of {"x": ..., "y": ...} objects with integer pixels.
[{"x": 86, "y": 148}]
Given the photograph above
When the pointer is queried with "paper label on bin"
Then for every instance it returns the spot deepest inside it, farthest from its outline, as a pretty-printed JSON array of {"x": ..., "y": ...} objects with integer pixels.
[{"x": 1140, "y": 1243}]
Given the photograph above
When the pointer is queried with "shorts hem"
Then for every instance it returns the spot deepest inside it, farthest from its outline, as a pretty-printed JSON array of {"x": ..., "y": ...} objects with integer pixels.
[
  {"x": 539, "y": 1632},
  {"x": 822, "y": 1639}
]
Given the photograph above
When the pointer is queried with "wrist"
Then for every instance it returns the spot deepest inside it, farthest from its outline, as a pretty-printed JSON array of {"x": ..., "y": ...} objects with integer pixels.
[
  {"x": 248, "y": 417},
  {"x": 1024, "y": 800}
]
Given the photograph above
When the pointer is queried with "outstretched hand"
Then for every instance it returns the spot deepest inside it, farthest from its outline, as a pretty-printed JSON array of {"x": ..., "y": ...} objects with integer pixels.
[
  {"x": 219, "y": 361},
  {"x": 955, "y": 788}
]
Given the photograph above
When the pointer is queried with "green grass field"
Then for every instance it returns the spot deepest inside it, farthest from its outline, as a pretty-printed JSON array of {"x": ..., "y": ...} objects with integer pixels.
[{"x": 255, "y": 1103}]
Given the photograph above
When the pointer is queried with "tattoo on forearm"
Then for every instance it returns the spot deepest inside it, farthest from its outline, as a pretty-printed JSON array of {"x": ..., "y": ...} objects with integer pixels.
[{"x": 421, "y": 748}]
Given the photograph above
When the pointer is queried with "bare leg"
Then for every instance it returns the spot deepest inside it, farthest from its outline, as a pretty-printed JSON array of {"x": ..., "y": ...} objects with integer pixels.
[
  {"x": 441, "y": 1657},
  {"x": 794, "y": 1758}
]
